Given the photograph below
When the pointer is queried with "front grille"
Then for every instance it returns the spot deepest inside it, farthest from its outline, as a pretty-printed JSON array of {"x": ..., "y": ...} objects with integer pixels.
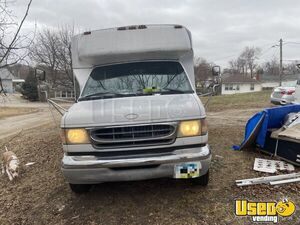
[{"x": 128, "y": 136}]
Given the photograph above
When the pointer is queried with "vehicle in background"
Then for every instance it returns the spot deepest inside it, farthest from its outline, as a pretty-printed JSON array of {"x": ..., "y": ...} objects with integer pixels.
[
  {"x": 138, "y": 115},
  {"x": 297, "y": 91},
  {"x": 283, "y": 95}
]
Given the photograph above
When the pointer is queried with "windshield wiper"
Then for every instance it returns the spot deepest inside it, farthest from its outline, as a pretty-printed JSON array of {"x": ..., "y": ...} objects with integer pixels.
[
  {"x": 101, "y": 94},
  {"x": 175, "y": 91}
]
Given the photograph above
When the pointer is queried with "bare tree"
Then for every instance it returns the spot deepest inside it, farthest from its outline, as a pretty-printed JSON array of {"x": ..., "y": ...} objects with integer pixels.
[
  {"x": 52, "y": 50},
  {"x": 13, "y": 45},
  {"x": 250, "y": 55},
  {"x": 246, "y": 62},
  {"x": 202, "y": 69},
  {"x": 64, "y": 51},
  {"x": 272, "y": 67}
]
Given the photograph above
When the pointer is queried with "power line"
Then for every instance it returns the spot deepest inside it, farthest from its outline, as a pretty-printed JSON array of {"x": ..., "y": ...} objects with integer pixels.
[
  {"x": 267, "y": 50},
  {"x": 264, "y": 51},
  {"x": 291, "y": 60},
  {"x": 292, "y": 42}
]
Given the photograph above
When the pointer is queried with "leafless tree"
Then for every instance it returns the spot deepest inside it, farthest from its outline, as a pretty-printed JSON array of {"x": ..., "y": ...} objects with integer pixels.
[
  {"x": 250, "y": 55},
  {"x": 246, "y": 62},
  {"x": 13, "y": 44},
  {"x": 203, "y": 69},
  {"x": 52, "y": 51},
  {"x": 272, "y": 67}
]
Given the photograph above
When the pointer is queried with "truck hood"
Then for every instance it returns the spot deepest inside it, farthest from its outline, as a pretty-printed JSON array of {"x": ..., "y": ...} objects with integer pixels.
[{"x": 133, "y": 110}]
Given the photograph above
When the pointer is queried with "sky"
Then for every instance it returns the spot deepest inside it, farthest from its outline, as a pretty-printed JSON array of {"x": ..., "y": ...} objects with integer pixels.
[{"x": 220, "y": 29}]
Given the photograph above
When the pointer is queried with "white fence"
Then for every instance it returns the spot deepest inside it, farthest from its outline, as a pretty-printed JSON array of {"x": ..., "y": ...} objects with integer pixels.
[{"x": 64, "y": 94}]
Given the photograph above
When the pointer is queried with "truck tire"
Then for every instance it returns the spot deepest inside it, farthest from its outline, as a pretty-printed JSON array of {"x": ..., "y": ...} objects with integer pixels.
[
  {"x": 203, "y": 180},
  {"x": 80, "y": 188}
]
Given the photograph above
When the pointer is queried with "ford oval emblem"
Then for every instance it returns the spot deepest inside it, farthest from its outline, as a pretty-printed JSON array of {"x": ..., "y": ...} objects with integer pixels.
[{"x": 131, "y": 116}]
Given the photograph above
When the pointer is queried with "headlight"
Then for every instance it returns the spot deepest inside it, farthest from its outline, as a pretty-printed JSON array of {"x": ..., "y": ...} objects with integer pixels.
[
  {"x": 192, "y": 128},
  {"x": 75, "y": 136}
]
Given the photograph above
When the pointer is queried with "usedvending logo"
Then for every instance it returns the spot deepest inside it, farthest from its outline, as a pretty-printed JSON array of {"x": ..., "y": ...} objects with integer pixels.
[{"x": 264, "y": 211}]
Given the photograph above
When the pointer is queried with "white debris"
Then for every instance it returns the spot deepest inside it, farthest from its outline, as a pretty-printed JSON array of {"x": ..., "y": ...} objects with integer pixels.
[
  {"x": 30, "y": 163},
  {"x": 61, "y": 208},
  {"x": 273, "y": 180},
  {"x": 271, "y": 166}
]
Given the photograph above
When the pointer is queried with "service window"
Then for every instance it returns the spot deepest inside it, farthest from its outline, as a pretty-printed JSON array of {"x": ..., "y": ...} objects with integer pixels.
[{"x": 252, "y": 87}]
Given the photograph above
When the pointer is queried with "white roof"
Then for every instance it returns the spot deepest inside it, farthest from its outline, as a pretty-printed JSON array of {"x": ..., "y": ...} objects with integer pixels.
[
  {"x": 117, "y": 45},
  {"x": 18, "y": 80}
]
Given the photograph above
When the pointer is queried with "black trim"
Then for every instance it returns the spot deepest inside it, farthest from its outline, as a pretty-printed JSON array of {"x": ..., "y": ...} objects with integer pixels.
[
  {"x": 135, "y": 167},
  {"x": 135, "y": 152}
]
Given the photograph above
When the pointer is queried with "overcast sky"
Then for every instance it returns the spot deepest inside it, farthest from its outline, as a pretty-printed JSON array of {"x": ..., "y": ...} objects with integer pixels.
[{"x": 220, "y": 29}]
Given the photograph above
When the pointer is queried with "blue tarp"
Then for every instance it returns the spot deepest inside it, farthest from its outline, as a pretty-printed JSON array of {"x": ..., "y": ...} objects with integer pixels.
[{"x": 271, "y": 118}]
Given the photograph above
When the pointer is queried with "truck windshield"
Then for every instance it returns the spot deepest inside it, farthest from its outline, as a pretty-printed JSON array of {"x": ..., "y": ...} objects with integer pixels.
[{"x": 132, "y": 79}]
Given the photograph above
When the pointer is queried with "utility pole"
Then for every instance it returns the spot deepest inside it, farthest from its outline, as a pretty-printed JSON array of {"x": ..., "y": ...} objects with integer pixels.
[{"x": 280, "y": 63}]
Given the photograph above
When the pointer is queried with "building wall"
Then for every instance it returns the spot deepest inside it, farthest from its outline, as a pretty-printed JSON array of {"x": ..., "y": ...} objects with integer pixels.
[
  {"x": 7, "y": 85},
  {"x": 240, "y": 88}
]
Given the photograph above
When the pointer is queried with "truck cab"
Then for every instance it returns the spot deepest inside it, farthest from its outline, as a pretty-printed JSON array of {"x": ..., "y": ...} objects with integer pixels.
[{"x": 138, "y": 115}]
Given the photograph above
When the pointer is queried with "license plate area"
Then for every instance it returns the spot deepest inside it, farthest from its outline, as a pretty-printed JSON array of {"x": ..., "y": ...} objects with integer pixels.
[{"x": 187, "y": 170}]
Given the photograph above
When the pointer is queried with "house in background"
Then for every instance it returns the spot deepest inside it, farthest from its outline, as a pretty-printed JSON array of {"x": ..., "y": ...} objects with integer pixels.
[
  {"x": 234, "y": 84},
  {"x": 7, "y": 80}
]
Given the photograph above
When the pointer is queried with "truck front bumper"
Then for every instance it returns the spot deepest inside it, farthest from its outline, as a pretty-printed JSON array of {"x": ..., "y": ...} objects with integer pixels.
[{"x": 91, "y": 169}]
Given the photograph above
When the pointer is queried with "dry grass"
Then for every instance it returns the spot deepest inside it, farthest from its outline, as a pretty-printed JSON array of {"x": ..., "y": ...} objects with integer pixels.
[
  {"x": 238, "y": 101},
  {"x": 14, "y": 111}
]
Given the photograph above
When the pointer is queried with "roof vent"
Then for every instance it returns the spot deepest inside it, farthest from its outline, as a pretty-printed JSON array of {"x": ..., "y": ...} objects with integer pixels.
[
  {"x": 87, "y": 32},
  {"x": 177, "y": 26},
  {"x": 121, "y": 28},
  {"x": 142, "y": 27},
  {"x": 133, "y": 27}
]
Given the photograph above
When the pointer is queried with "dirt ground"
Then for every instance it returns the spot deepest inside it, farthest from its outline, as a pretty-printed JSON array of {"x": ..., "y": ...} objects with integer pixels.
[
  {"x": 41, "y": 196},
  {"x": 14, "y": 111}
]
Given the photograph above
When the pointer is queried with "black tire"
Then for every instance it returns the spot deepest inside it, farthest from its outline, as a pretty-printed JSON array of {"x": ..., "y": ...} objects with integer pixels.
[
  {"x": 203, "y": 180},
  {"x": 80, "y": 188}
]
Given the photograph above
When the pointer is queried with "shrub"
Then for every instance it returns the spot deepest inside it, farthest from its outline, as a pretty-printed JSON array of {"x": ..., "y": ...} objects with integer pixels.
[{"x": 29, "y": 88}]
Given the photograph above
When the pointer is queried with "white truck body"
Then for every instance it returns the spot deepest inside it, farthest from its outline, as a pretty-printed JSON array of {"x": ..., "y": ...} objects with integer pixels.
[{"x": 132, "y": 153}]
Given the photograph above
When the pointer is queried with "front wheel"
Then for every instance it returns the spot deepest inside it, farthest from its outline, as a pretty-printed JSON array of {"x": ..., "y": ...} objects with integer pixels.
[
  {"x": 80, "y": 188},
  {"x": 203, "y": 180}
]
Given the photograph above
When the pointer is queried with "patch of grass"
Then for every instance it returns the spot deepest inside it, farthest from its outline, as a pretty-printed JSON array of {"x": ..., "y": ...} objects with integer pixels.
[
  {"x": 238, "y": 101},
  {"x": 14, "y": 111}
]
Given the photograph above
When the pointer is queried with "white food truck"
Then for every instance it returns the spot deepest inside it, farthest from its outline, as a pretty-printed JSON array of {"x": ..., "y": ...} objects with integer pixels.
[{"x": 138, "y": 115}]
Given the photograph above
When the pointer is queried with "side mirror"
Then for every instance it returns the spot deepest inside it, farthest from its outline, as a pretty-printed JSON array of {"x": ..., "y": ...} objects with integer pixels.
[
  {"x": 298, "y": 65},
  {"x": 40, "y": 74},
  {"x": 216, "y": 71}
]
